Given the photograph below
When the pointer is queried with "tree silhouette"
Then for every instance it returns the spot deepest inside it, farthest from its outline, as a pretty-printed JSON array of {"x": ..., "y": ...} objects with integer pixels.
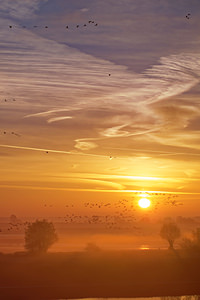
[
  {"x": 170, "y": 232},
  {"x": 39, "y": 236},
  {"x": 196, "y": 235},
  {"x": 192, "y": 244}
]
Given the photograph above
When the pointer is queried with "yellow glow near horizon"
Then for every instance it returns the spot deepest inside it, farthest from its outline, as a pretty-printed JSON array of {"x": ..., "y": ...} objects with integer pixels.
[
  {"x": 143, "y": 195},
  {"x": 144, "y": 202}
]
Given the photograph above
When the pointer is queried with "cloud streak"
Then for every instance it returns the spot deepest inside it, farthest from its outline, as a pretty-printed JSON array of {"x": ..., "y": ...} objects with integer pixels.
[
  {"x": 30, "y": 187},
  {"x": 47, "y": 113},
  {"x": 19, "y": 8},
  {"x": 56, "y": 119},
  {"x": 53, "y": 151}
]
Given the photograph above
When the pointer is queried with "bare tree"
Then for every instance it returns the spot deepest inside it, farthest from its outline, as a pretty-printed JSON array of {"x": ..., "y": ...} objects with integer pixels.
[
  {"x": 170, "y": 232},
  {"x": 39, "y": 236}
]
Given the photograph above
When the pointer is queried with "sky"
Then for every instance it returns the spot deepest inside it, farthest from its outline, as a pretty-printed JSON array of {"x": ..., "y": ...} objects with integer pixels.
[{"x": 99, "y": 102}]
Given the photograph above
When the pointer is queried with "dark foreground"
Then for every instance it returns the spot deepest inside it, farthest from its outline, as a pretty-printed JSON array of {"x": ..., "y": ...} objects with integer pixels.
[{"x": 100, "y": 274}]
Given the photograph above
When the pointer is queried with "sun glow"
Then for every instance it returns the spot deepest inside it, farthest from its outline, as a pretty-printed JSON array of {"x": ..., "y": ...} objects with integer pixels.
[{"x": 144, "y": 202}]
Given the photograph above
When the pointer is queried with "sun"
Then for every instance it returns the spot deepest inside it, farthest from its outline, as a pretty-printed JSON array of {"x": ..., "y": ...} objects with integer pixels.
[{"x": 144, "y": 202}]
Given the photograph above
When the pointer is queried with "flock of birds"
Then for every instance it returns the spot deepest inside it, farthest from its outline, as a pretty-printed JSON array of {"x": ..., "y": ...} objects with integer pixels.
[
  {"x": 8, "y": 100},
  {"x": 12, "y": 133},
  {"x": 90, "y": 22},
  {"x": 120, "y": 215},
  {"x": 188, "y": 16},
  {"x": 108, "y": 221},
  {"x": 123, "y": 209},
  {"x": 14, "y": 227},
  {"x": 67, "y": 27},
  {"x": 9, "y": 132}
]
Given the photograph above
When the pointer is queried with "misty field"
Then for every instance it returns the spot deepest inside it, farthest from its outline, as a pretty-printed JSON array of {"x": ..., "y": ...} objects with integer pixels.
[{"x": 99, "y": 274}]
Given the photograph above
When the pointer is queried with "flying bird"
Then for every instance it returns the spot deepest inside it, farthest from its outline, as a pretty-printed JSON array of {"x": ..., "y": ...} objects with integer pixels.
[
  {"x": 15, "y": 133},
  {"x": 111, "y": 157},
  {"x": 188, "y": 16}
]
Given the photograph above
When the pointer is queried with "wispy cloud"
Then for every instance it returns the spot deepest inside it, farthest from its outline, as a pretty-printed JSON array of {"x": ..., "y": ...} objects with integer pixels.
[
  {"x": 19, "y": 8},
  {"x": 56, "y": 119},
  {"x": 85, "y": 145},
  {"x": 52, "y": 151},
  {"x": 175, "y": 75},
  {"x": 47, "y": 113},
  {"x": 115, "y": 131},
  {"x": 156, "y": 152},
  {"x": 31, "y": 187}
]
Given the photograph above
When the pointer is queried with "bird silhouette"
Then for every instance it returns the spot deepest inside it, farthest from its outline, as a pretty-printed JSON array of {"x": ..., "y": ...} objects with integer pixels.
[
  {"x": 15, "y": 133},
  {"x": 188, "y": 16}
]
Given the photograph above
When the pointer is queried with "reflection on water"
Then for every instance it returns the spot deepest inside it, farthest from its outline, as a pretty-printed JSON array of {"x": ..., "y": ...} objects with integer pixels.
[{"x": 193, "y": 297}]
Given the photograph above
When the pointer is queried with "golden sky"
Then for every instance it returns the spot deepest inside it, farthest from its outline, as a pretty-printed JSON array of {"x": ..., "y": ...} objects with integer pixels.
[{"x": 99, "y": 113}]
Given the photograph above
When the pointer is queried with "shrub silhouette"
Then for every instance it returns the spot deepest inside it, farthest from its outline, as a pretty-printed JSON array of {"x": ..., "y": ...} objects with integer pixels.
[
  {"x": 92, "y": 248},
  {"x": 39, "y": 236},
  {"x": 196, "y": 235},
  {"x": 170, "y": 232},
  {"x": 192, "y": 244}
]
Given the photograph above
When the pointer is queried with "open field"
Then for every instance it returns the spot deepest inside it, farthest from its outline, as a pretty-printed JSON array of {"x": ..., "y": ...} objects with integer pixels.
[{"x": 98, "y": 274}]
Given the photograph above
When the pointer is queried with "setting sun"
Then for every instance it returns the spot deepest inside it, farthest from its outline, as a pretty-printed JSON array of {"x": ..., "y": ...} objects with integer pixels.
[{"x": 144, "y": 202}]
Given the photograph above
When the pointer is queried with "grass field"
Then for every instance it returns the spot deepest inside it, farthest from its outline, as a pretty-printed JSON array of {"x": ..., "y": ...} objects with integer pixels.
[{"x": 99, "y": 274}]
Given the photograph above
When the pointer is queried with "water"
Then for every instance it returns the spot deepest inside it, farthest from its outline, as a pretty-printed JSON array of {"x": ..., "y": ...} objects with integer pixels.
[{"x": 190, "y": 297}]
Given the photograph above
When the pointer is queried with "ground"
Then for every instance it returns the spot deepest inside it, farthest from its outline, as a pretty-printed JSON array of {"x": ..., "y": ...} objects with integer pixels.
[{"x": 99, "y": 274}]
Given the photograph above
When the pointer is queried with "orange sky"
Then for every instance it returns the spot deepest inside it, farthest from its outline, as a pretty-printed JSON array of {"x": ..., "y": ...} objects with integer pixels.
[{"x": 99, "y": 113}]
